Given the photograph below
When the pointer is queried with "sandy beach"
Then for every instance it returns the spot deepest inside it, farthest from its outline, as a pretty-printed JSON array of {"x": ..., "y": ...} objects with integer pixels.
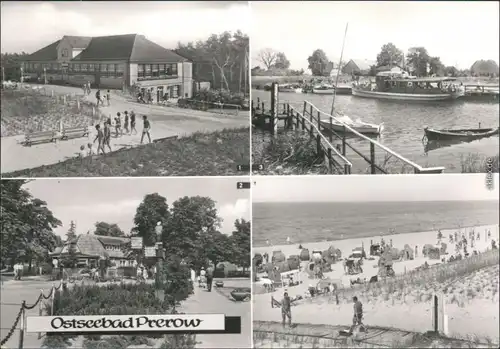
[{"x": 472, "y": 300}]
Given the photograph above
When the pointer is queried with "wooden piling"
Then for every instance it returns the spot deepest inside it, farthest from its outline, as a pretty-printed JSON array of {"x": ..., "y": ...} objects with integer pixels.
[{"x": 372, "y": 158}]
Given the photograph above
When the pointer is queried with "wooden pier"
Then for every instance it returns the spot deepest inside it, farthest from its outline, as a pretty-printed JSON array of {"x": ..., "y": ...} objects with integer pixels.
[{"x": 308, "y": 121}]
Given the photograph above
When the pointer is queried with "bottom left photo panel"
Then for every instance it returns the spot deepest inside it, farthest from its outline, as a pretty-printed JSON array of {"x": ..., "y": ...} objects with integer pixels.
[{"x": 125, "y": 263}]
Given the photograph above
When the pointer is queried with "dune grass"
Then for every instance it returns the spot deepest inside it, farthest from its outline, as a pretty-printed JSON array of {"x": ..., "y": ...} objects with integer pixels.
[
  {"x": 200, "y": 154},
  {"x": 476, "y": 163},
  {"x": 25, "y": 111}
]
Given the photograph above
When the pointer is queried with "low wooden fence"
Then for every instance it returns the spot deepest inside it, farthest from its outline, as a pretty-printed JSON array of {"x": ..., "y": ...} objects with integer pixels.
[{"x": 310, "y": 120}]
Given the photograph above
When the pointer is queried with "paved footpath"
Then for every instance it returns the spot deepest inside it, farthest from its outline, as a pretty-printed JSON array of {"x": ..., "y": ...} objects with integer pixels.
[
  {"x": 165, "y": 122},
  {"x": 212, "y": 302}
]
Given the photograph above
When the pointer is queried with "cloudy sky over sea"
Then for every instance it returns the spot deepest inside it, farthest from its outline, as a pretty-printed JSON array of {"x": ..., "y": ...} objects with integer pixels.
[
  {"x": 29, "y": 26},
  {"x": 450, "y": 187},
  {"x": 87, "y": 201},
  {"x": 458, "y": 32}
]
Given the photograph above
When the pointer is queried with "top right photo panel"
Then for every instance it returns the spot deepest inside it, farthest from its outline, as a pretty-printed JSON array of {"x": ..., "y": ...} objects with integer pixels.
[{"x": 374, "y": 87}]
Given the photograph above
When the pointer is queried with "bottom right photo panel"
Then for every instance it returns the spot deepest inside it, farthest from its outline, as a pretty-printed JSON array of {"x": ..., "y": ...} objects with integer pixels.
[{"x": 376, "y": 261}]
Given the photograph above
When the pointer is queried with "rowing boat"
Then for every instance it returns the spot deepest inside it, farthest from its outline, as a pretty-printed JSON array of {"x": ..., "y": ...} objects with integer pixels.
[{"x": 459, "y": 134}]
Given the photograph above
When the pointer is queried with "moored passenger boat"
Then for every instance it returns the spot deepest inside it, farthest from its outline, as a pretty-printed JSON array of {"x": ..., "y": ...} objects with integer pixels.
[{"x": 396, "y": 86}]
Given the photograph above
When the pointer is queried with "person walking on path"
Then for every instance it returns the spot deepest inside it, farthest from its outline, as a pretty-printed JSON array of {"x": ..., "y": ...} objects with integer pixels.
[
  {"x": 99, "y": 137},
  {"x": 107, "y": 134},
  {"x": 286, "y": 311},
  {"x": 108, "y": 98},
  {"x": 118, "y": 125},
  {"x": 132, "y": 123},
  {"x": 210, "y": 278},
  {"x": 89, "y": 90},
  {"x": 98, "y": 97},
  {"x": 125, "y": 124},
  {"x": 203, "y": 275},
  {"x": 146, "y": 128}
]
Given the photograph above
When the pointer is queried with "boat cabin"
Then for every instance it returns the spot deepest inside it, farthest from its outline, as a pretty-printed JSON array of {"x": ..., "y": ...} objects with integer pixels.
[{"x": 413, "y": 85}]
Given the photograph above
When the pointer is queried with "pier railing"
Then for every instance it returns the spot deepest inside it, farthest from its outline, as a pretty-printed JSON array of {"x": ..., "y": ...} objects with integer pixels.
[
  {"x": 315, "y": 115},
  {"x": 337, "y": 162},
  {"x": 309, "y": 120}
]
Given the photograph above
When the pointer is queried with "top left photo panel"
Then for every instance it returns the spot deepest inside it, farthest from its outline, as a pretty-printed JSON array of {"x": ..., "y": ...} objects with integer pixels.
[{"x": 139, "y": 88}]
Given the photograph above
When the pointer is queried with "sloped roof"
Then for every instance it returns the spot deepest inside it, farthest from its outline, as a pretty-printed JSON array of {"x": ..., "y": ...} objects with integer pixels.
[
  {"x": 482, "y": 66},
  {"x": 77, "y": 41},
  {"x": 146, "y": 50},
  {"x": 131, "y": 47},
  {"x": 364, "y": 64},
  {"x": 113, "y": 240},
  {"x": 48, "y": 53}
]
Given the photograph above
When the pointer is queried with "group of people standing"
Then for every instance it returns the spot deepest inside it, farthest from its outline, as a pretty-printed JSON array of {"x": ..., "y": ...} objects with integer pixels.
[{"x": 205, "y": 278}]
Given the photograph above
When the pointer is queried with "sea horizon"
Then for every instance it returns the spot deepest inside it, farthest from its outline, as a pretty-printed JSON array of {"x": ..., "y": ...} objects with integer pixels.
[{"x": 320, "y": 221}]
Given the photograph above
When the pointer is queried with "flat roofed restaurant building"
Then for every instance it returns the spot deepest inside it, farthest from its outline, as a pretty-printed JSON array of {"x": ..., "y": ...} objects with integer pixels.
[{"x": 112, "y": 62}]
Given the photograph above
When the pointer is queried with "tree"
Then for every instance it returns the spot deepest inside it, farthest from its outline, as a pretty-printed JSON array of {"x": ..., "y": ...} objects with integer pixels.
[
  {"x": 418, "y": 58},
  {"x": 152, "y": 209},
  {"x": 281, "y": 61},
  {"x": 11, "y": 62},
  {"x": 435, "y": 66},
  {"x": 268, "y": 57},
  {"x": 221, "y": 59},
  {"x": 107, "y": 229},
  {"x": 389, "y": 55},
  {"x": 319, "y": 63},
  {"x": 191, "y": 219},
  {"x": 178, "y": 282},
  {"x": 71, "y": 233},
  {"x": 26, "y": 224},
  {"x": 218, "y": 247},
  {"x": 451, "y": 71},
  {"x": 241, "y": 243}
]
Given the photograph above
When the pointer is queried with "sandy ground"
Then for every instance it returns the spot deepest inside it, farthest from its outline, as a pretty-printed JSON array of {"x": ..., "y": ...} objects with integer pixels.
[
  {"x": 14, "y": 292},
  {"x": 478, "y": 316},
  {"x": 165, "y": 122}
]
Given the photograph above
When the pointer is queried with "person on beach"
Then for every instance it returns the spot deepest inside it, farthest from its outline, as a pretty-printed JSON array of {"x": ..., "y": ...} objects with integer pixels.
[
  {"x": 118, "y": 125},
  {"x": 146, "y": 128},
  {"x": 89, "y": 90},
  {"x": 125, "y": 124},
  {"x": 84, "y": 88},
  {"x": 108, "y": 98},
  {"x": 99, "y": 137},
  {"x": 82, "y": 153},
  {"x": 286, "y": 311},
  {"x": 90, "y": 151},
  {"x": 132, "y": 123},
  {"x": 416, "y": 251},
  {"x": 357, "y": 318}
]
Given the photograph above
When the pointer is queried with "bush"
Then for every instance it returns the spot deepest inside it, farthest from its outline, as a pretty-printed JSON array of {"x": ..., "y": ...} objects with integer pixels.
[
  {"x": 126, "y": 272},
  {"x": 113, "y": 299}
]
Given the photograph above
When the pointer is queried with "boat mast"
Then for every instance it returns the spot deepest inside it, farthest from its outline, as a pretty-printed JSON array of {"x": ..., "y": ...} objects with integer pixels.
[{"x": 338, "y": 70}]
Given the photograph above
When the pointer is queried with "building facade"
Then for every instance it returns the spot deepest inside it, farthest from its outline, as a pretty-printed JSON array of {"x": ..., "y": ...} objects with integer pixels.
[
  {"x": 358, "y": 67},
  {"x": 112, "y": 62}
]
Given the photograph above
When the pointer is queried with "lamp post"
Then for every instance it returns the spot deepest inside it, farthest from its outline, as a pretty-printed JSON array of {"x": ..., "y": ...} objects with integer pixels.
[{"x": 160, "y": 256}]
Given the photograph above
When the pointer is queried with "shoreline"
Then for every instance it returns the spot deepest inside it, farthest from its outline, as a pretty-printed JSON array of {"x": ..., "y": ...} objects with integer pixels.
[{"x": 388, "y": 234}]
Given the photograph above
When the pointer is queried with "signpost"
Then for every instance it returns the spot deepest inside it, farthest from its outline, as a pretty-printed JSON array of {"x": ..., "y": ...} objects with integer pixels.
[
  {"x": 160, "y": 291},
  {"x": 149, "y": 251},
  {"x": 136, "y": 243}
]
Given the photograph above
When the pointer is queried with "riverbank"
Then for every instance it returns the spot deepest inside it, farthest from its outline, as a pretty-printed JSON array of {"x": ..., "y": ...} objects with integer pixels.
[{"x": 470, "y": 286}]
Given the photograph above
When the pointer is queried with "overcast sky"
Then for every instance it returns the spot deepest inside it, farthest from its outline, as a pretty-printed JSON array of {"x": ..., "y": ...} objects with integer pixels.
[
  {"x": 87, "y": 201},
  {"x": 365, "y": 188},
  {"x": 458, "y": 32},
  {"x": 29, "y": 26}
]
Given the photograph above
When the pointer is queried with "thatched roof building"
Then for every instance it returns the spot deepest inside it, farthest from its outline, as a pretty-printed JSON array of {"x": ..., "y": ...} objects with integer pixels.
[
  {"x": 484, "y": 67},
  {"x": 89, "y": 248}
]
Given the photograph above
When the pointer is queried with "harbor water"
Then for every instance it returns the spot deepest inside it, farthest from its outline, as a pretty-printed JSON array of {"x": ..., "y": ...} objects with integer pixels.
[
  {"x": 404, "y": 126},
  {"x": 320, "y": 221}
]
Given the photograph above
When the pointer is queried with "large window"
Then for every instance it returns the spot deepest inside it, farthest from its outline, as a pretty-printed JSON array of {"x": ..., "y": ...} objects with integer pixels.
[
  {"x": 119, "y": 70},
  {"x": 156, "y": 71},
  {"x": 76, "y": 68},
  {"x": 84, "y": 68}
]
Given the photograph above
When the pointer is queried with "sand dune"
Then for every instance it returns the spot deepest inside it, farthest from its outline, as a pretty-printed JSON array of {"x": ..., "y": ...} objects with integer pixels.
[{"x": 472, "y": 300}]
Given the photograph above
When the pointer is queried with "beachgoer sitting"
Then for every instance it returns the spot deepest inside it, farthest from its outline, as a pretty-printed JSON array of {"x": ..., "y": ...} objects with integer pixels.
[
  {"x": 82, "y": 153},
  {"x": 312, "y": 290}
]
